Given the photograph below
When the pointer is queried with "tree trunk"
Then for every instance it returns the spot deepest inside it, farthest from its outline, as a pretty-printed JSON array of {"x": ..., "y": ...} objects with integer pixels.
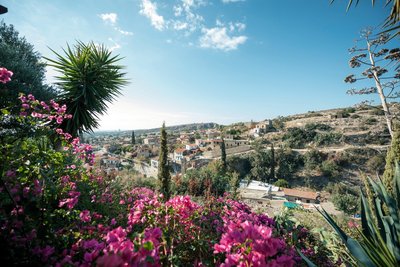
[{"x": 381, "y": 94}]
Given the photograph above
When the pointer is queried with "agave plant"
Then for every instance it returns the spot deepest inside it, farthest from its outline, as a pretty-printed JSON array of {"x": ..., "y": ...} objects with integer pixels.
[
  {"x": 90, "y": 79},
  {"x": 380, "y": 227}
]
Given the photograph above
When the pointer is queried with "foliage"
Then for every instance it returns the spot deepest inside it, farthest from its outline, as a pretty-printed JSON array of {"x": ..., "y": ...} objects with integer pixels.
[
  {"x": 204, "y": 181},
  {"x": 304, "y": 241},
  {"x": 223, "y": 156},
  {"x": 392, "y": 21},
  {"x": 348, "y": 203},
  {"x": 164, "y": 175},
  {"x": 380, "y": 229},
  {"x": 313, "y": 159},
  {"x": 260, "y": 162},
  {"x": 317, "y": 126},
  {"x": 330, "y": 168},
  {"x": 281, "y": 183},
  {"x": 133, "y": 139},
  {"x": 325, "y": 139},
  {"x": 55, "y": 210},
  {"x": 90, "y": 78},
  {"x": 18, "y": 55},
  {"x": 300, "y": 138},
  {"x": 240, "y": 164},
  {"x": 288, "y": 161},
  {"x": 393, "y": 157},
  {"x": 376, "y": 164}
]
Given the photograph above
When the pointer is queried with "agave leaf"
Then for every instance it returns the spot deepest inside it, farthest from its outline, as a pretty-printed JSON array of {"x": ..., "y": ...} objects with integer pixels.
[
  {"x": 352, "y": 245},
  {"x": 367, "y": 219},
  {"x": 309, "y": 263}
]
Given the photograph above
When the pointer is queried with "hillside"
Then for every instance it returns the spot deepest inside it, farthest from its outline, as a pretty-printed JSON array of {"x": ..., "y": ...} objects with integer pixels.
[{"x": 323, "y": 148}]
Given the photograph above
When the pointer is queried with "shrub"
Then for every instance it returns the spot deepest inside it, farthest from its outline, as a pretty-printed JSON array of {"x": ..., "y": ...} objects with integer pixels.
[
  {"x": 377, "y": 112},
  {"x": 330, "y": 168},
  {"x": 324, "y": 139},
  {"x": 313, "y": 159},
  {"x": 380, "y": 225},
  {"x": 281, "y": 183},
  {"x": 297, "y": 137},
  {"x": 348, "y": 203},
  {"x": 370, "y": 121},
  {"x": 376, "y": 164},
  {"x": 317, "y": 126}
]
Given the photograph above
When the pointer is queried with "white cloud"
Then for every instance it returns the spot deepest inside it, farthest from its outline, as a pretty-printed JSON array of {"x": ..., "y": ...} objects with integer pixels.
[
  {"x": 232, "y": 1},
  {"x": 109, "y": 17},
  {"x": 149, "y": 10},
  {"x": 122, "y": 31},
  {"x": 187, "y": 19},
  {"x": 115, "y": 46},
  {"x": 218, "y": 38}
]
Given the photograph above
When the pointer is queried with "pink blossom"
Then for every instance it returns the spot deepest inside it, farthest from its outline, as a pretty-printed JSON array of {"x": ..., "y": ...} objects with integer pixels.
[
  {"x": 5, "y": 75},
  {"x": 85, "y": 216},
  {"x": 59, "y": 119}
]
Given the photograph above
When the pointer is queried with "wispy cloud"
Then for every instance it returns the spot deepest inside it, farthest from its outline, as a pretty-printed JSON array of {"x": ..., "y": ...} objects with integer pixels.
[
  {"x": 218, "y": 38},
  {"x": 109, "y": 17},
  {"x": 115, "y": 45},
  {"x": 185, "y": 17},
  {"x": 149, "y": 10},
  {"x": 122, "y": 31},
  {"x": 232, "y": 1}
]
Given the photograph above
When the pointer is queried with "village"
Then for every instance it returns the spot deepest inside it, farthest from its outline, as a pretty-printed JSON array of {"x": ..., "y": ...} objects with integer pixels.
[{"x": 195, "y": 149}]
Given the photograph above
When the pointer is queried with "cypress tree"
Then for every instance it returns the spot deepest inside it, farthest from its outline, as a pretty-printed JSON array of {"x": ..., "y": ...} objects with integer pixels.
[
  {"x": 133, "y": 138},
  {"x": 164, "y": 176},
  {"x": 272, "y": 171},
  {"x": 223, "y": 156},
  {"x": 392, "y": 157}
]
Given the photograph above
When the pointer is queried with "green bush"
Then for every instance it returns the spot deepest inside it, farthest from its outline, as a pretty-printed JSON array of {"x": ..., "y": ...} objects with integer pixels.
[
  {"x": 281, "y": 183},
  {"x": 324, "y": 139},
  {"x": 376, "y": 164},
  {"x": 313, "y": 159},
  {"x": 298, "y": 138},
  {"x": 377, "y": 112},
  {"x": 370, "y": 121},
  {"x": 330, "y": 168},
  {"x": 317, "y": 126}
]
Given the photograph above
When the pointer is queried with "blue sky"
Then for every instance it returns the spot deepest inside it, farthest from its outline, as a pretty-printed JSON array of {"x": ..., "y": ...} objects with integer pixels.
[{"x": 218, "y": 61}]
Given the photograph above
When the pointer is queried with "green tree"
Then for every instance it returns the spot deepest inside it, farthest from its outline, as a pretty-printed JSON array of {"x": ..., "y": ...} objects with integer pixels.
[
  {"x": 223, "y": 156},
  {"x": 348, "y": 203},
  {"x": 164, "y": 176},
  {"x": 288, "y": 162},
  {"x": 19, "y": 56},
  {"x": 393, "y": 157},
  {"x": 133, "y": 138},
  {"x": 260, "y": 163},
  {"x": 273, "y": 164},
  {"x": 281, "y": 183},
  {"x": 90, "y": 78}
]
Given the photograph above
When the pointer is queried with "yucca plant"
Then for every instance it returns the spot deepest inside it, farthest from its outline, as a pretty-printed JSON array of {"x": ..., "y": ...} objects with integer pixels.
[
  {"x": 90, "y": 78},
  {"x": 380, "y": 227}
]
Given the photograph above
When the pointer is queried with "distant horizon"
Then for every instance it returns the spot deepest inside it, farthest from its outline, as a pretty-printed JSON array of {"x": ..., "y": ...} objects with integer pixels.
[
  {"x": 203, "y": 60},
  {"x": 174, "y": 125}
]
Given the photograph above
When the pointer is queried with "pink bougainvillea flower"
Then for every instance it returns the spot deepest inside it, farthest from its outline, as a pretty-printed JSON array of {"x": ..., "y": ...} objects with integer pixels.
[
  {"x": 5, "y": 75},
  {"x": 85, "y": 216}
]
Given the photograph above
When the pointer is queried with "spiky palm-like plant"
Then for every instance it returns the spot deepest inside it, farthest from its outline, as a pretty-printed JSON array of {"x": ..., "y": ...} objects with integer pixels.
[
  {"x": 380, "y": 227},
  {"x": 89, "y": 79}
]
